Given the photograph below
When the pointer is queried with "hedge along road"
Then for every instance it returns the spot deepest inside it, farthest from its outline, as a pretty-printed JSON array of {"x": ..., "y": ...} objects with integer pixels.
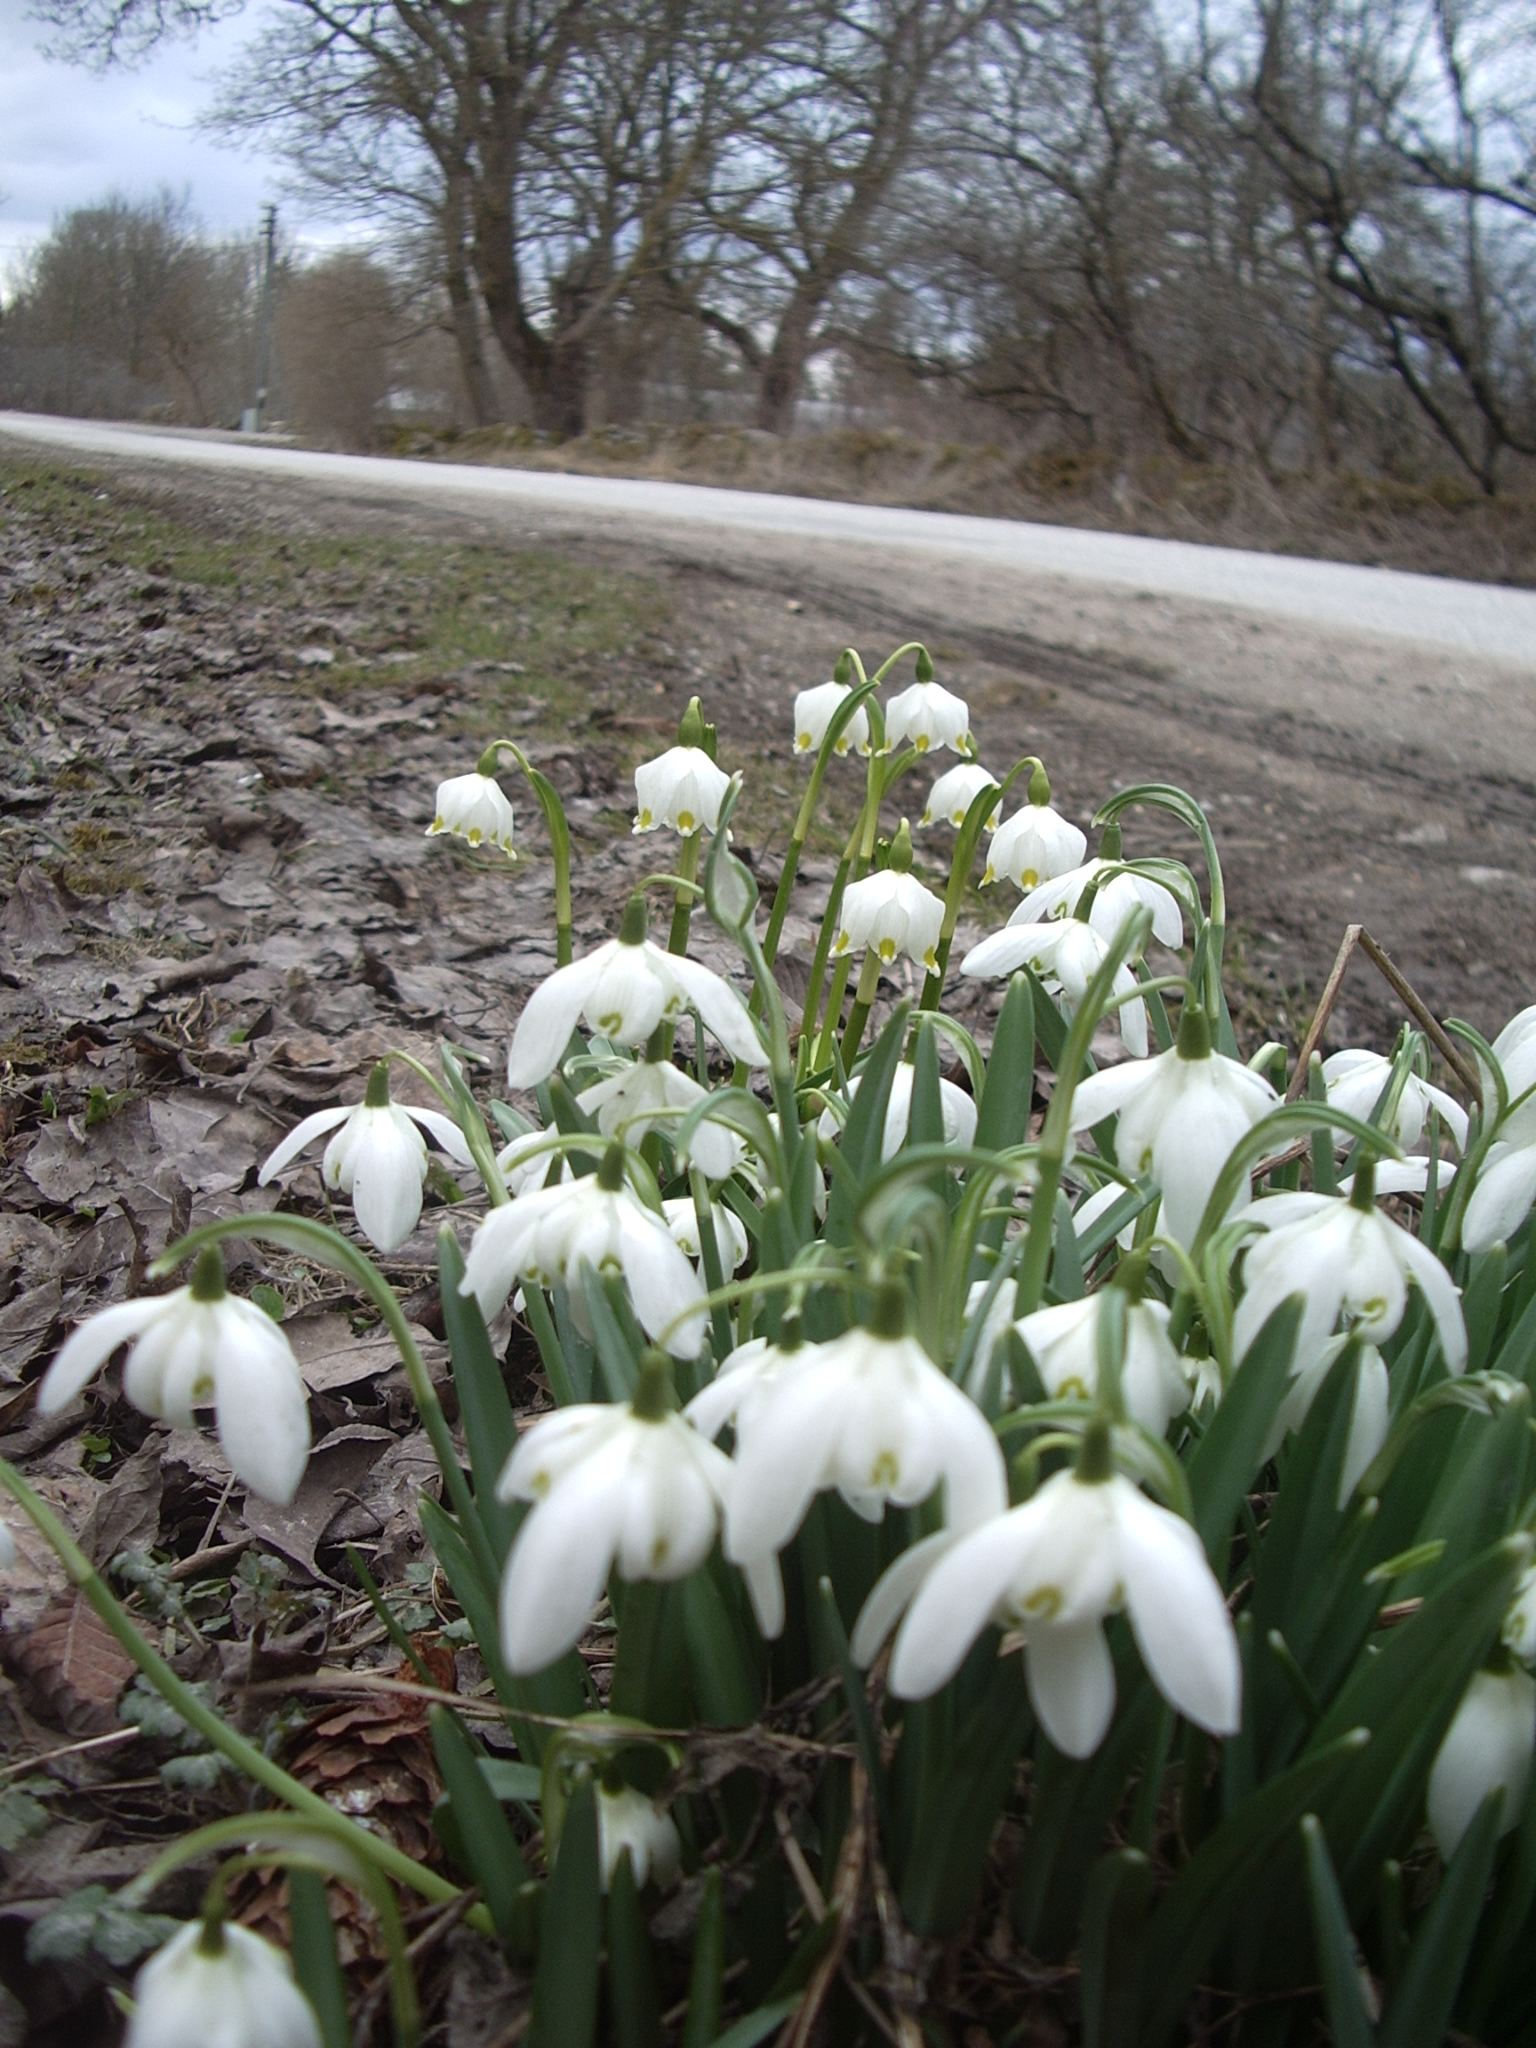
[{"x": 1468, "y": 618}]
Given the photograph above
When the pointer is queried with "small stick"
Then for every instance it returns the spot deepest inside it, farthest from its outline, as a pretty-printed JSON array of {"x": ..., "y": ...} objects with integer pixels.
[
  {"x": 846, "y": 1887},
  {"x": 1323, "y": 1012},
  {"x": 49, "y": 1756},
  {"x": 1407, "y": 995}
]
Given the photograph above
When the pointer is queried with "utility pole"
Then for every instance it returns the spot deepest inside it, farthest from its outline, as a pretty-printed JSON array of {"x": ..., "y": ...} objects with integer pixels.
[{"x": 252, "y": 420}]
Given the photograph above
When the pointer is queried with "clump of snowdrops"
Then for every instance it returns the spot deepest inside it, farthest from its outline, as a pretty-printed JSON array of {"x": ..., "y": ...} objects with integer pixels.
[{"x": 1119, "y": 1475}]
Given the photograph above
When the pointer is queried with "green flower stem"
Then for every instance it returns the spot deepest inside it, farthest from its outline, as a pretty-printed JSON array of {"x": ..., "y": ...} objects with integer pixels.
[
  {"x": 863, "y": 1002},
  {"x": 1164, "y": 797},
  {"x": 966, "y": 841},
  {"x": 482, "y": 1149},
  {"x": 299, "y": 1233},
  {"x": 559, "y": 842},
  {"x": 883, "y": 777},
  {"x": 1057, "y": 1134},
  {"x": 244, "y": 1755},
  {"x": 659, "y": 1047},
  {"x": 547, "y": 1337},
  {"x": 841, "y": 718}
]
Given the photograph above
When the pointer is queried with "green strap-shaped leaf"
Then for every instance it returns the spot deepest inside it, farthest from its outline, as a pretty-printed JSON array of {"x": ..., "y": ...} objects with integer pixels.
[
  {"x": 649, "y": 1673},
  {"x": 757, "y": 2026},
  {"x": 632, "y": 1993},
  {"x": 566, "y": 1984},
  {"x": 1481, "y": 1300},
  {"x": 1227, "y": 1457},
  {"x": 864, "y": 1133},
  {"x": 724, "y": 1687},
  {"x": 1214, "y": 1886},
  {"x": 962, "y": 1805},
  {"x": 616, "y": 1354},
  {"x": 1437, "y": 1961},
  {"x": 490, "y": 1847},
  {"x": 489, "y": 1428},
  {"x": 315, "y": 1963},
  {"x": 1503, "y": 1959},
  {"x": 925, "y": 1125},
  {"x": 1115, "y": 1906},
  {"x": 706, "y": 1980},
  {"x": 1348, "y": 2023}
]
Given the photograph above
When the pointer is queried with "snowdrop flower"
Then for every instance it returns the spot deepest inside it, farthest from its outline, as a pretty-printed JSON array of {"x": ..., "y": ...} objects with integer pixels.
[
  {"x": 929, "y": 716},
  {"x": 195, "y": 1346},
  {"x": 1115, "y": 901},
  {"x": 632, "y": 1487},
  {"x": 992, "y": 1332},
  {"x": 958, "y": 1109},
  {"x": 624, "y": 990},
  {"x": 1515, "y": 1051},
  {"x": 1087, "y": 1545},
  {"x": 814, "y": 711},
  {"x": 868, "y": 1413},
  {"x": 548, "y": 1234},
  {"x": 1519, "y": 1632},
  {"x": 377, "y": 1157},
  {"x": 626, "y": 1819},
  {"x": 1064, "y": 1343},
  {"x": 1180, "y": 1117},
  {"x": 652, "y": 1095},
  {"x": 1355, "y": 1079},
  {"x": 892, "y": 912},
  {"x": 682, "y": 788},
  {"x": 526, "y": 1162},
  {"x": 1369, "y": 1421},
  {"x": 1035, "y": 844},
  {"x": 954, "y": 793},
  {"x": 730, "y": 1233},
  {"x": 1347, "y": 1258},
  {"x": 216, "y": 1985},
  {"x": 474, "y": 807},
  {"x": 1066, "y": 954},
  {"x": 1487, "y": 1748},
  {"x": 1505, "y": 1190}
]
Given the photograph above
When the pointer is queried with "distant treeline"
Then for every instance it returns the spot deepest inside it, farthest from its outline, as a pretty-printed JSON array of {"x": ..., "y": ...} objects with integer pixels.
[{"x": 1293, "y": 233}]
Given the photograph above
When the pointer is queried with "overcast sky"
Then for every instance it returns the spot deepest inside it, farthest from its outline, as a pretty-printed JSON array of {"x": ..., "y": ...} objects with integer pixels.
[{"x": 69, "y": 137}]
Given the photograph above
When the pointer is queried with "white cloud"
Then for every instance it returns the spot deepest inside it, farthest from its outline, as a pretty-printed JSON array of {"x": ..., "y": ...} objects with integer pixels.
[{"x": 68, "y": 137}]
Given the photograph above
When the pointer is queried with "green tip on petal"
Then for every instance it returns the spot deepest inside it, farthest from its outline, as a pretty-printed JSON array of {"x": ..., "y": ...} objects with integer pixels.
[
  {"x": 892, "y": 1313},
  {"x": 924, "y": 665},
  {"x": 376, "y": 1095},
  {"x": 632, "y": 929},
  {"x": 610, "y": 1174},
  {"x": 900, "y": 862},
  {"x": 655, "y": 1395},
  {"x": 1095, "y": 1464},
  {"x": 1194, "y": 1039},
  {"x": 208, "y": 1275}
]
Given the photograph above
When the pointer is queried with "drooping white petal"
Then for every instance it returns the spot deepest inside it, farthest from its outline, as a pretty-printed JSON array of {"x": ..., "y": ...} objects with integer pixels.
[
  {"x": 388, "y": 1165},
  {"x": 262, "y": 1406},
  {"x": 723, "y": 1011},
  {"x": 444, "y": 1129},
  {"x": 1502, "y": 1198},
  {"x": 959, "y": 1596},
  {"x": 301, "y": 1135},
  {"x": 814, "y": 711},
  {"x": 1035, "y": 845},
  {"x": 627, "y": 1820},
  {"x": 1106, "y": 1094},
  {"x": 1177, "y": 1613},
  {"x": 954, "y": 793},
  {"x": 662, "y": 1283},
  {"x": 765, "y": 1586},
  {"x": 87, "y": 1349},
  {"x": 549, "y": 1017},
  {"x": 893, "y": 1592},
  {"x": 559, "y": 1564},
  {"x": 1369, "y": 1421},
  {"x": 1439, "y": 1290},
  {"x": 243, "y": 1996},
  {"x": 1072, "y": 1684},
  {"x": 682, "y": 788},
  {"x": 1487, "y": 1748},
  {"x": 929, "y": 716}
]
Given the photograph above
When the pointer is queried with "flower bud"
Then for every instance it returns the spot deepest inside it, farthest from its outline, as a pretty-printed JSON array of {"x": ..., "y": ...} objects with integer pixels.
[{"x": 217, "y": 1986}]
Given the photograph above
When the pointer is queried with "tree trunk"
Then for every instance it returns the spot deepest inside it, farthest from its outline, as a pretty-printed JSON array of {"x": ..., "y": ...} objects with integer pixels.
[
  {"x": 479, "y": 388},
  {"x": 783, "y": 368}
]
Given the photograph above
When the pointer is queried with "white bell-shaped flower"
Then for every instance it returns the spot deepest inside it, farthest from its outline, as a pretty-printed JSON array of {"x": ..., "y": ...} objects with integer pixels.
[
  {"x": 682, "y": 788},
  {"x": 1064, "y": 1343},
  {"x": 528, "y": 1161},
  {"x": 1348, "y": 1259},
  {"x": 654, "y": 1096},
  {"x": 814, "y": 711},
  {"x": 194, "y": 1348},
  {"x": 892, "y": 912},
  {"x": 869, "y": 1414},
  {"x": 954, "y": 793},
  {"x": 1066, "y": 954},
  {"x": 216, "y": 1985},
  {"x": 631, "y": 1487},
  {"x": 730, "y": 1233},
  {"x": 1354, "y": 1080},
  {"x": 474, "y": 807},
  {"x": 624, "y": 990},
  {"x": 627, "y": 1819},
  {"x": 1033, "y": 846},
  {"x": 1370, "y": 1418},
  {"x": 1505, "y": 1190},
  {"x": 1181, "y": 1115},
  {"x": 1515, "y": 1051},
  {"x": 992, "y": 1332},
  {"x": 548, "y": 1234},
  {"x": 1117, "y": 896},
  {"x": 927, "y": 716},
  {"x": 377, "y": 1157},
  {"x": 957, "y": 1108},
  {"x": 1487, "y": 1748},
  {"x": 1083, "y": 1548}
]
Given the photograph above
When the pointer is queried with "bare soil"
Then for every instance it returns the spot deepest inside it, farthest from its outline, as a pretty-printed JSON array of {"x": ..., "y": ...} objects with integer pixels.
[{"x": 226, "y": 711}]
